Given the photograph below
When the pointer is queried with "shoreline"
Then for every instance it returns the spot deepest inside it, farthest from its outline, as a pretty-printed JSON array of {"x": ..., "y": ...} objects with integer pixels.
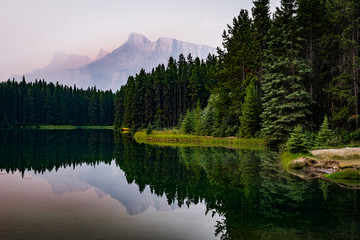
[
  {"x": 175, "y": 138},
  {"x": 341, "y": 165},
  {"x": 58, "y": 127}
]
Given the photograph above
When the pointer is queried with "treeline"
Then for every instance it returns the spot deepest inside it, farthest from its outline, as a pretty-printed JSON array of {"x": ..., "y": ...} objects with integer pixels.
[
  {"x": 272, "y": 74},
  {"x": 162, "y": 96},
  {"x": 43, "y": 151},
  {"x": 47, "y": 103}
]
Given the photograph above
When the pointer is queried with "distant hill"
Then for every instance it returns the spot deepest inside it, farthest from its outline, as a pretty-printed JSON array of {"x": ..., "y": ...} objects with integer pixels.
[{"x": 111, "y": 70}]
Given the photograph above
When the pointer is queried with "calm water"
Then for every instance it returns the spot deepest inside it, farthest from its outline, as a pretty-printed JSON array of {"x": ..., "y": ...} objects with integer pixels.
[{"x": 90, "y": 184}]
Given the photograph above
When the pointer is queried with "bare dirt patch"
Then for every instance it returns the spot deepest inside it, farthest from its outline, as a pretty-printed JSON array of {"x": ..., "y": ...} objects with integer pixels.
[
  {"x": 346, "y": 157},
  {"x": 342, "y": 153}
]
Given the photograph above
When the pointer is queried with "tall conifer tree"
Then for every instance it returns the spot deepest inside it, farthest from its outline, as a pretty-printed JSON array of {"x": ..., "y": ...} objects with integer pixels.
[{"x": 286, "y": 101}]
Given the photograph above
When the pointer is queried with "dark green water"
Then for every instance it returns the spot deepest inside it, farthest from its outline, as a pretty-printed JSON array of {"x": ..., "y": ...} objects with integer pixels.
[{"x": 89, "y": 184}]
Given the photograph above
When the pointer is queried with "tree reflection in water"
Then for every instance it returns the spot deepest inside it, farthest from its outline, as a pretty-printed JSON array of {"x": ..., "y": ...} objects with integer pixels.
[{"x": 248, "y": 189}]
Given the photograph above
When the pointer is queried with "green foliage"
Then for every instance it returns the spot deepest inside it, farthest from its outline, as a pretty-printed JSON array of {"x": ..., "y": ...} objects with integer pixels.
[
  {"x": 187, "y": 125},
  {"x": 207, "y": 121},
  {"x": 42, "y": 103},
  {"x": 340, "y": 91},
  {"x": 324, "y": 135},
  {"x": 166, "y": 93},
  {"x": 177, "y": 138},
  {"x": 346, "y": 174},
  {"x": 288, "y": 157},
  {"x": 297, "y": 142},
  {"x": 149, "y": 129},
  {"x": 197, "y": 119},
  {"x": 250, "y": 112},
  {"x": 286, "y": 101},
  {"x": 355, "y": 135}
]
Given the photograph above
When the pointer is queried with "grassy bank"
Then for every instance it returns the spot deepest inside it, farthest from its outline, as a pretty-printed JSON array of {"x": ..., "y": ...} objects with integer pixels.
[
  {"x": 175, "y": 138},
  {"x": 346, "y": 174},
  {"x": 287, "y": 158}
]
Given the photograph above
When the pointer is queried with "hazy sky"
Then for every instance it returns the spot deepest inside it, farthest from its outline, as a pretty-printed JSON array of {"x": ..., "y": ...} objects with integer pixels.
[{"x": 33, "y": 30}]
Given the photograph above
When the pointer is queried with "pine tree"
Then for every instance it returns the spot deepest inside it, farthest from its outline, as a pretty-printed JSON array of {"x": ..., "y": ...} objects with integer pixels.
[
  {"x": 297, "y": 141},
  {"x": 238, "y": 60},
  {"x": 286, "y": 102},
  {"x": 324, "y": 134},
  {"x": 250, "y": 112},
  {"x": 197, "y": 118},
  {"x": 119, "y": 109},
  {"x": 187, "y": 125},
  {"x": 261, "y": 15}
]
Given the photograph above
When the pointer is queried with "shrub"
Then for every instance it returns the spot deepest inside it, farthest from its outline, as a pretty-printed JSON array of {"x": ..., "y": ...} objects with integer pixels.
[{"x": 355, "y": 135}]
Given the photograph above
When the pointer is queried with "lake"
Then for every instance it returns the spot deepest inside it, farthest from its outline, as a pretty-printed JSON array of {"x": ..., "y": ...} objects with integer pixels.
[{"x": 92, "y": 184}]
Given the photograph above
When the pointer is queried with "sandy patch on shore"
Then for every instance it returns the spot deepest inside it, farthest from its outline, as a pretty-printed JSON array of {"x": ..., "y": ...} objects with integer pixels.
[{"x": 338, "y": 154}]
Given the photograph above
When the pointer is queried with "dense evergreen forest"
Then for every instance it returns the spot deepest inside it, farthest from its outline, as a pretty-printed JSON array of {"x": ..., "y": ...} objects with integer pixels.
[
  {"x": 47, "y": 103},
  {"x": 272, "y": 74},
  {"x": 164, "y": 95}
]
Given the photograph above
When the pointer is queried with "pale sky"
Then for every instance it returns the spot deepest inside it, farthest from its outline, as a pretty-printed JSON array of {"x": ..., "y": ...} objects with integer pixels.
[{"x": 32, "y": 31}]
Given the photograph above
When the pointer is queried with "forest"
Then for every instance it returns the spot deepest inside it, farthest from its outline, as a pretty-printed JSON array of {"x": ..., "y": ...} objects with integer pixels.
[
  {"x": 42, "y": 103},
  {"x": 272, "y": 74},
  {"x": 296, "y": 67}
]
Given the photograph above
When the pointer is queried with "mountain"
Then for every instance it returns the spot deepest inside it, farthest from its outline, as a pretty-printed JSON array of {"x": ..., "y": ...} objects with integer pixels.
[
  {"x": 111, "y": 70},
  {"x": 62, "y": 65},
  {"x": 63, "y": 61},
  {"x": 102, "y": 53},
  {"x": 107, "y": 180}
]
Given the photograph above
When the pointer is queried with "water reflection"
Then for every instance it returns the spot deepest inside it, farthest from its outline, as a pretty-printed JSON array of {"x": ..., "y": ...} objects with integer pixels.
[{"x": 254, "y": 198}]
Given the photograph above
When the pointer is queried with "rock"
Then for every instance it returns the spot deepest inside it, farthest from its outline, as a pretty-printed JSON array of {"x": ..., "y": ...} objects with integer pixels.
[{"x": 299, "y": 163}]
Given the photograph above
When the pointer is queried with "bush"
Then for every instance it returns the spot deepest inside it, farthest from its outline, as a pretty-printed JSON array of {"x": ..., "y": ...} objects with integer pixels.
[{"x": 355, "y": 135}]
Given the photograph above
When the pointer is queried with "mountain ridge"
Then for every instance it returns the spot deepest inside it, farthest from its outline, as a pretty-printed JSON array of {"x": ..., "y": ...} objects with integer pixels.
[{"x": 111, "y": 70}]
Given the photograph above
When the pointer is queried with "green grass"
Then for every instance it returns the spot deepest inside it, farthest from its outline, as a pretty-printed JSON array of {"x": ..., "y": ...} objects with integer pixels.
[
  {"x": 175, "y": 138},
  {"x": 287, "y": 157},
  {"x": 69, "y": 127},
  {"x": 346, "y": 174}
]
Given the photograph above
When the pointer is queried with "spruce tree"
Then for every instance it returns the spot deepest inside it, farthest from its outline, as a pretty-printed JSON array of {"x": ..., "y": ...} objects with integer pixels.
[
  {"x": 324, "y": 133},
  {"x": 286, "y": 102},
  {"x": 197, "y": 118},
  {"x": 250, "y": 113},
  {"x": 187, "y": 125},
  {"x": 261, "y": 25},
  {"x": 297, "y": 141}
]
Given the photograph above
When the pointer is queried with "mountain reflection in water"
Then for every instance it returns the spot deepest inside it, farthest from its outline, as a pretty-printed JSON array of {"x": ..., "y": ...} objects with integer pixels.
[{"x": 246, "y": 192}]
